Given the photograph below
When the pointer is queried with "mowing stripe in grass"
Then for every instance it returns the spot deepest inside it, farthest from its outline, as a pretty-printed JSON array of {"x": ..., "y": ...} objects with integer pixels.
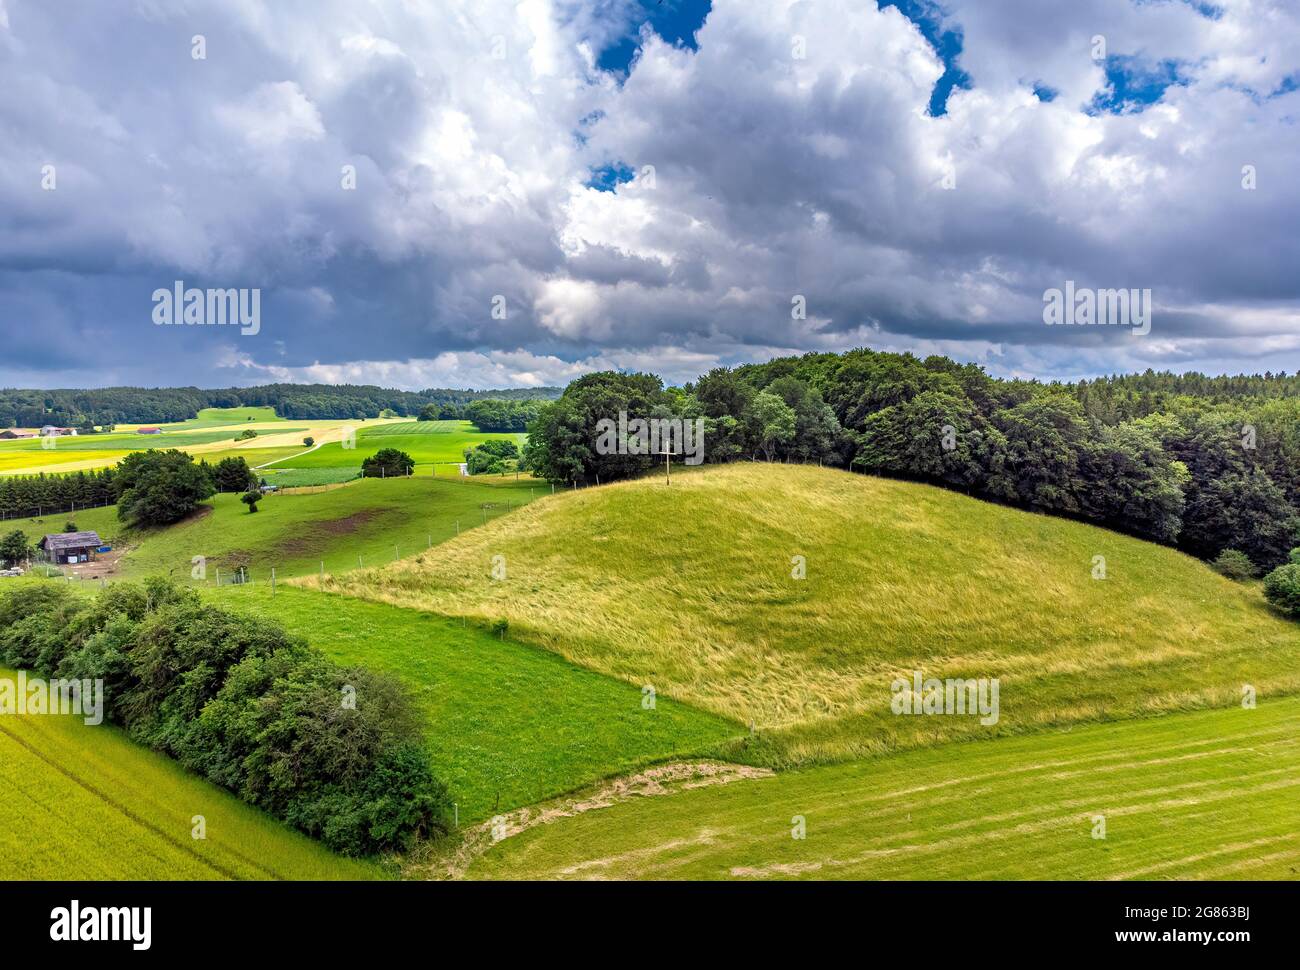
[{"x": 1208, "y": 794}]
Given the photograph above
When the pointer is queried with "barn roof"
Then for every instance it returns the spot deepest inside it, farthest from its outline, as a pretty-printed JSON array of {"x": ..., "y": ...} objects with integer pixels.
[{"x": 62, "y": 541}]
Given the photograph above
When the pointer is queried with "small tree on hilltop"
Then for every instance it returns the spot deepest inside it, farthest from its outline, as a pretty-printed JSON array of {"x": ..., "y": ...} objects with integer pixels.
[
  {"x": 251, "y": 498},
  {"x": 388, "y": 463},
  {"x": 309, "y": 441}
]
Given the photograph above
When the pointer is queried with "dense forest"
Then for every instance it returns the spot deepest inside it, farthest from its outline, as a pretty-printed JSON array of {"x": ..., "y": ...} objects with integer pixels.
[
  {"x": 1204, "y": 463},
  {"x": 488, "y": 414},
  {"x": 140, "y": 405}
]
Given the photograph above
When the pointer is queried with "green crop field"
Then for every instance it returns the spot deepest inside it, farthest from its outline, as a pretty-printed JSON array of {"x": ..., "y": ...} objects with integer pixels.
[
  {"x": 690, "y": 588},
  {"x": 1202, "y": 795},
  {"x": 307, "y": 477},
  {"x": 85, "y": 802},
  {"x": 425, "y": 441},
  {"x": 509, "y": 724}
]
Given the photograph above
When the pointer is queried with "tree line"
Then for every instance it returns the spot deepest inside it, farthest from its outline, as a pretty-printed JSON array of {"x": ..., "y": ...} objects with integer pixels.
[
  {"x": 167, "y": 473},
  {"x": 1206, "y": 464},
  {"x": 489, "y": 414},
  {"x": 25, "y": 408}
]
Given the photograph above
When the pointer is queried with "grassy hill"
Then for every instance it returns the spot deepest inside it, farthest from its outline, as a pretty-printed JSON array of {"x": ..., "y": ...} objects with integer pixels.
[
  {"x": 86, "y": 803},
  {"x": 508, "y": 724},
  {"x": 689, "y": 588},
  {"x": 1203, "y": 795}
]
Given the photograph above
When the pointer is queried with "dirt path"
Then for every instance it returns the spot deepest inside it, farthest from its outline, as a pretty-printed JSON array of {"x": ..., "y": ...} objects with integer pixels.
[{"x": 660, "y": 780}]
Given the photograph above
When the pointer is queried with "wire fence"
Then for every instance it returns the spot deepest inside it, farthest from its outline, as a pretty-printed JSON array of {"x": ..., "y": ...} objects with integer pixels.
[{"x": 40, "y": 511}]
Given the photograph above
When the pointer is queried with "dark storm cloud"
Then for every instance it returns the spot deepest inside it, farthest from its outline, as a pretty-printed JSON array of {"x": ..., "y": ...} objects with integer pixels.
[{"x": 788, "y": 151}]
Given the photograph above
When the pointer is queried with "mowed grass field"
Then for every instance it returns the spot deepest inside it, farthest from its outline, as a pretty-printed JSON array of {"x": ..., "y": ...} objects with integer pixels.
[
  {"x": 85, "y": 802},
  {"x": 508, "y": 724},
  {"x": 689, "y": 588},
  {"x": 1202, "y": 795}
]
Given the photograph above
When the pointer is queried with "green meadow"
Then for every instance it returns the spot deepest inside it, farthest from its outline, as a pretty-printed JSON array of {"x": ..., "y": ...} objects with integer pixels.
[
  {"x": 85, "y": 802},
  {"x": 208, "y": 417},
  {"x": 427, "y": 442},
  {"x": 509, "y": 724},
  {"x": 1202, "y": 795},
  {"x": 695, "y": 589},
  {"x": 366, "y": 522}
]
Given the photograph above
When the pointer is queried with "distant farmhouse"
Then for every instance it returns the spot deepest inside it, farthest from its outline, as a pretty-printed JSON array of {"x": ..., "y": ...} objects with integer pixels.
[
  {"x": 50, "y": 431},
  {"x": 66, "y": 547},
  {"x": 11, "y": 433},
  {"x": 148, "y": 430}
]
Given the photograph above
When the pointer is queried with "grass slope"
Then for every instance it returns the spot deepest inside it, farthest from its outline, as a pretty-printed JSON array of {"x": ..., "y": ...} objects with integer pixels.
[
  {"x": 690, "y": 589},
  {"x": 1204, "y": 795},
  {"x": 293, "y": 532},
  {"x": 509, "y": 725},
  {"x": 87, "y": 803}
]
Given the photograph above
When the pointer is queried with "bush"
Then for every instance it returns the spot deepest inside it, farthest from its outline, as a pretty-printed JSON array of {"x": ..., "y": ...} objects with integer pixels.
[
  {"x": 1235, "y": 565},
  {"x": 1282, "y": 589},
  {"x": 388, "y": 463},
  {"x": 1294, "y": 557}
]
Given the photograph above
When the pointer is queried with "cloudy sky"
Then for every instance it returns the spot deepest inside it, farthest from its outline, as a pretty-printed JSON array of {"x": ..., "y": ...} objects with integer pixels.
[{"x": 643, "y": 184}]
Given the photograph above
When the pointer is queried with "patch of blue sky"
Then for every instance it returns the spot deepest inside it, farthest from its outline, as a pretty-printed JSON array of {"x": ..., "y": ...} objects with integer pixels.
[
  {"x": 1133, "y": 83},
  {"x": 608, "y": 177},
  {"x": 928, "y": 17},
  {"x": 676, "y": 21}
]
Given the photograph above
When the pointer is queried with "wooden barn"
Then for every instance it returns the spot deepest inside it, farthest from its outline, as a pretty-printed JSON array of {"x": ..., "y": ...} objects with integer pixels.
[{"x": 70, "y": 547}]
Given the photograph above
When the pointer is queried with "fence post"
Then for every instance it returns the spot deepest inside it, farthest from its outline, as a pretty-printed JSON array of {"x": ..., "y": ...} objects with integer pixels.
[{"x": 272, "y": 580}]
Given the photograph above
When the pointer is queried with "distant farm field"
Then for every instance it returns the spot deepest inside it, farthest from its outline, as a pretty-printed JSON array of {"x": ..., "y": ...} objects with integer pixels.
[
  {"x": 509, "y": 724},
  {"x": 1202, "y": 795},
  {"x": 425, "y": 441},
  {"x": 436, "y": 446},
  {"x": 694, "y": 589},
  {"x": 85, "y": 802},
  {"x": 26, "y": 461}
]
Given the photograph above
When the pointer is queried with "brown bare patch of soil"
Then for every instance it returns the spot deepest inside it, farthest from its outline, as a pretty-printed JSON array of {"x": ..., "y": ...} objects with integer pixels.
[{"x": 350, "y": 524}]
